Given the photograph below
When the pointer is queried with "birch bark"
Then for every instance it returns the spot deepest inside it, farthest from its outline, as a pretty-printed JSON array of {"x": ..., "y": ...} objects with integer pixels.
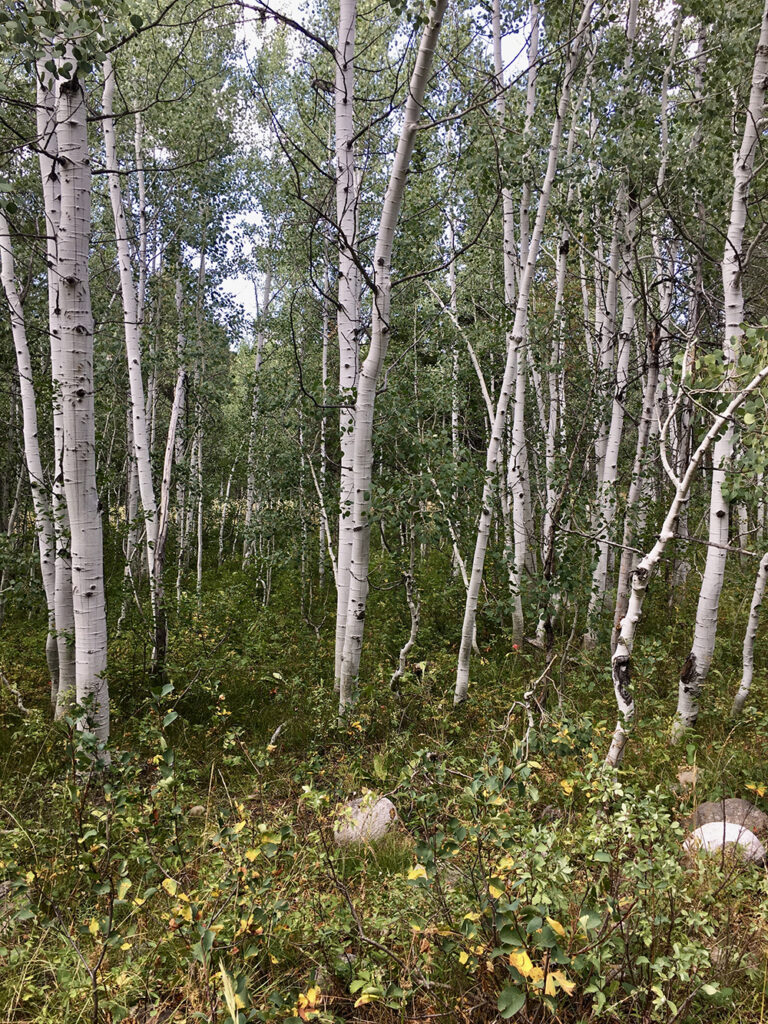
[
  {"x": 606, "y": 512},
  {"x": 75, "y": 326},
  {"x": 132, "y": 318},
  {"x": 46, "y": 541},
  {"x": 621, "y": 662},
  {"x": 699, "y": 660},
  {"x": 348, "y": 310},
  {"x": 51, "y": 184},
  {"x": 521, "y": 317},
  {"x": 369, "y": 373},
  {"x": 748, "y": 648},
  {"x": 262, "y": 308}
]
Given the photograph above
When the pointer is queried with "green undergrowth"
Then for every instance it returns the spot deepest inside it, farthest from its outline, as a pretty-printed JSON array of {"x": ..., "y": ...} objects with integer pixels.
[{"x": 197, "y": 879}]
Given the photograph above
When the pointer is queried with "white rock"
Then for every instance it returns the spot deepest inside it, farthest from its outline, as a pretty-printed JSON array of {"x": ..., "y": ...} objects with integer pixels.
[
  {"x": 716, "y": 834},
  {"x": 365, "y": 819}
]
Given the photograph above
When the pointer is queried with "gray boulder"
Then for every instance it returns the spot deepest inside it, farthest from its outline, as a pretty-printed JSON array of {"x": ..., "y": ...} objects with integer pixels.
[
  {"x": 366, "y": 819},
  {"x": 714, "y": 835},
  {"x": 740, "y": 812}
]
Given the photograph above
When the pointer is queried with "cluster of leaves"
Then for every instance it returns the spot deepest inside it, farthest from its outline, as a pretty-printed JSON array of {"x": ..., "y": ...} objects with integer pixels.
[{"x": 134, "y": 897}]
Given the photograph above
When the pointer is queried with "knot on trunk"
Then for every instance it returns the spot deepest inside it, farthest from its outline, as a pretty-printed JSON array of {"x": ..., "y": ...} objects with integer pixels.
[
  {"x": 640, "y": 576},
  {"x": 688, "y": 673},
  {"x": 622, "y": 678}
]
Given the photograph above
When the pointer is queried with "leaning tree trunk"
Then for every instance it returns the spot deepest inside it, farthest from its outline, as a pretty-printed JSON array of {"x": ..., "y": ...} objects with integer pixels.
[
  {"x": 75, "y": 326},
  {"x": 621, "y": 662},
  {"x": 521, "y": 319},
  {"x": 177, "y": 410},
  {"x": 700, "y": 658},
  {"x": 41, "y": 503},
  {"x": 748, "y": 649},
  {"x": 369, "y": 373}
]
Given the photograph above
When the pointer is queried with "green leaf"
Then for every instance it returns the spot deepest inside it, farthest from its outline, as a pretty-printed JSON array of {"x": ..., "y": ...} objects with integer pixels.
[
  {"x": 137, "y": 21},
  {"x": 170, "y": 717},
  {"x": 511, "y": 1000}
]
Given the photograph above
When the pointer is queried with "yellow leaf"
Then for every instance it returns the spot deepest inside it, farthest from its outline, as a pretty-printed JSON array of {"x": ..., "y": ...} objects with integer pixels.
[
  {"x": 93, "y": 927},
  {"x": 417, "y": 871},
  {"x": 506, "y": 864},
  {"x": 536, "y": 974},
  {"x": 273, "y": 959},
  {"x": 566, "y": 786},
  {"x": 495, "y": 892},
  {"x": 251, "y": 855},
  {"x": 122, "y": 887},
  {"x": 30, "y": 877},
  {"x": 170, "y": 885},
  {"x": 236, "y": 829},
  {"x": 126, "y": 945},
  {"x": 564, "y": 982},
  {"x": 549, "y": 987},
  {"x": 366, "y": 997},
  {"x": 139, "y": 901},
  {"x": 520, "y": 960},
  {"x": 313, "y": 996},
  {"x": 556, "y": 927},
  {"x": 463, "y": 957}
]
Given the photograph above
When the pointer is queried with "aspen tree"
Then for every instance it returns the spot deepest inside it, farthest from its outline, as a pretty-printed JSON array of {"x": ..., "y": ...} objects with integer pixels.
[
  {"x": 132, "y": 320},
  {"x": 374, "y": 361},
  {"x": 621, "y": 662},
  {"x": 520, "y": 322},
  {"x": 347, "y": 310},
  {"x": 75, "y": 338},
  {"x": 51, "y": 185},
  {"x": 46, "y": 540},
  {"x": 748, "y": 647},
  {"x": 262, "y": 309},
  {"x": 697, "y": 664},
  {"x": 177, "y": 410},
  {"x": 514, "y": 480}
]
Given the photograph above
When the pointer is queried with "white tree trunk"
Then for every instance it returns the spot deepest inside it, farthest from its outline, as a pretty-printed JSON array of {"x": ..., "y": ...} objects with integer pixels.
[
  {"x": 75, "y": 327},
  {"x": 132, "y": 318},
  {"x": 699, "y": 660},
  {"x": 348, "y": 309},
  {"x": 51, "y": 183},
  {"x": 605, "y": 328},
  {"x": 414, "y": 607},
  {"x": 631, "y": 525},
  {"x": 521, "y": 318},
  {"x": 621, "y": 661},
  {"x": 369, "y": 374},
  {"x": 131, "y": 510},
  {"x": 748, "y": 649},
  {"x": 179, "y": 399},
  {"x": 324, "y": 531},
  {"x": 262, "y": 307},
  {"x": 46, "y": 541},
  {"x": 606, "y": 511},
  {"x": 517, "y": 482}
]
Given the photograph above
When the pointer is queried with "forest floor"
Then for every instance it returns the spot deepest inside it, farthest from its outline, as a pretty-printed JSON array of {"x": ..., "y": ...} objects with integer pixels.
[{"x": 198, "y": 879}]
